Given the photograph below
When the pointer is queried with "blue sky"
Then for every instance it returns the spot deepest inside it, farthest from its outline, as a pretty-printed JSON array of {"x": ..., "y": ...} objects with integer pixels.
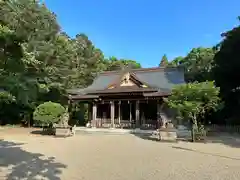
[{"x": 144, "y": 30}]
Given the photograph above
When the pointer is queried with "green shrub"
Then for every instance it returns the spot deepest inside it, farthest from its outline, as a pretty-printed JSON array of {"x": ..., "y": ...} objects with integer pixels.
[
  {"x": 6, "y": 97},
  {"x": 48, "y": 113},
  {"x": 200, "y": 132}
]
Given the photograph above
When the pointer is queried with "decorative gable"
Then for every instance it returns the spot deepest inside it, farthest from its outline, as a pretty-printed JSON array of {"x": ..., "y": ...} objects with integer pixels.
[
  {"x": 142, "y": 80},
  {"x": 111, "y": 87},
  {"x": 126, "y": 81}
]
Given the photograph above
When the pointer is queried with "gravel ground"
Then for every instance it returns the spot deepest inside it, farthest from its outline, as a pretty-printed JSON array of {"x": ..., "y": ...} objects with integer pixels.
[{"x": 113, "y": 157}]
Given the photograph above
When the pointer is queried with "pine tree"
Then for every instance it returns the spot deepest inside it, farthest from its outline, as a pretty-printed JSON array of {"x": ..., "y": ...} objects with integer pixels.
[{"x": 164, "y": 61}]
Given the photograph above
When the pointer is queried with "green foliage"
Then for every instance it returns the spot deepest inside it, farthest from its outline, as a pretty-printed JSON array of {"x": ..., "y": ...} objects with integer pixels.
[
  {"x": 29, "y": 19},
  {"x": 198, "y": 64},
  {"x": 117, "y": 64},
  {"x": 48, "y": 113},
  {"x": 38, "y": 62},
  {"x": 194, "y": 100},
  {"x": 200, "y": 132},
  {"x": 226, "y": 71},
  {"x": 6, "y": 98},
  {"x": 175, "y": 62},
  {"x": 54, "y": 92},
  {"x": 10, "y": 112},
  {"x": 164, "y": 61},
  {"x": 6, "y": 102},
  {"x": 79, "y": 114}
]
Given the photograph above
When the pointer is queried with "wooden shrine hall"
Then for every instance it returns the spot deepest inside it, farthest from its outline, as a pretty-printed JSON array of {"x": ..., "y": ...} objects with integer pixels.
[{"x": 129, "y": 98}]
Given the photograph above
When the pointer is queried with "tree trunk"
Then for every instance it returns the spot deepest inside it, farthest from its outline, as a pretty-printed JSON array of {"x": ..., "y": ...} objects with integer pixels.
[
  {"x": 194, "y": 125},
  {"x": 29, "y": 123},
  {"x": 193, "y": 132}
]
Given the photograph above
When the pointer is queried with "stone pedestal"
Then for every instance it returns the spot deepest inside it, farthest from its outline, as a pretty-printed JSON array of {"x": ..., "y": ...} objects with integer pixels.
[
  {"x": 88, "y": 125},
  {"x": 167, "y": 134},
  {"x": 112, "y": 111},
  {"x": 183, "y": 132},
  {"x": 62, "y": 128},
  {"x": 63, "y": 132}
]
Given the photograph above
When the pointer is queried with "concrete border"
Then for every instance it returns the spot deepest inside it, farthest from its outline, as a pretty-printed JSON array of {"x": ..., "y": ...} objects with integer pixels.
[{"x": 113, "y": 130}]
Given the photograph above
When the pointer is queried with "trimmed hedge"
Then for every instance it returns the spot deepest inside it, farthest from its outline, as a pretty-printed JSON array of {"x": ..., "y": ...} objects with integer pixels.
[{"x": 48, "y": 113}]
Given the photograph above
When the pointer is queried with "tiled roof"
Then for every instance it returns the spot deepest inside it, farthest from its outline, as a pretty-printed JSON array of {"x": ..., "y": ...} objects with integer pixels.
[
  {"x": 161, "y": 78},
  {"x": 83, "y": 97},
  {"x": 123, "y": 89}
]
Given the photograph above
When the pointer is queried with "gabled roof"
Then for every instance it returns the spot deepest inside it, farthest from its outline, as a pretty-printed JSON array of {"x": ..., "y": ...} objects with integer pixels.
[{"x": 157, "y": 79}]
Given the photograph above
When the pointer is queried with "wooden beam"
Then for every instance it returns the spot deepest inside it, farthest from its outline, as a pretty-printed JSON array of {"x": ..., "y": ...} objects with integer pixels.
[
  {"x": 123, "y": 97},
  {"x": 160, "y": 119},
  {"x": 112, "y": 113},
  {"x": 94, "y": 114},
  {"x": 137, "y": 116},
  {"x": 119, "y": 112},
  {"x": 130, "y": 111},
  {"x": 89, "y": 112}
]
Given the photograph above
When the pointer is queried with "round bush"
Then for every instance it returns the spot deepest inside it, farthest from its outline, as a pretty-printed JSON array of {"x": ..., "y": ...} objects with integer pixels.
[{"x": 48, "y": 113}]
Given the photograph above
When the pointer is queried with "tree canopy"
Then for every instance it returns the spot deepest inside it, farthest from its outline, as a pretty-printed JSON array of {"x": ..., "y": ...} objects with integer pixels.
[
  {"x": 226, "y": 71},
  {"x": 39, "y": 61},
  {"x": 118, "y": 64},
  {"x": 48, "y": 113},
  {"x": 198, "y": 64},
  {"x": 193, "y": 100},
  {"x": 164, "y": 61}
]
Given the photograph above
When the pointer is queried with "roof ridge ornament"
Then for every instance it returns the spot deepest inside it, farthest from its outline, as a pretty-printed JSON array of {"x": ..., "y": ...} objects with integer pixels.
[
  {"x": 126, "y": 77},
  {"x": 126, "y": 68}
]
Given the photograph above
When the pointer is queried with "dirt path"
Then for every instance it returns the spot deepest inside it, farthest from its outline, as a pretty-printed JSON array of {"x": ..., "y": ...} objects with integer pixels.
[{"x": 113, "y": 157}]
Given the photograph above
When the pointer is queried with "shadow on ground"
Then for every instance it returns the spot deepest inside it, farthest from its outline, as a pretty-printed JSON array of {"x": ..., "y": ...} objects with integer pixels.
[
  {"x": 151, "y": 138},
  {"x": 220, "y": 138},
  {"x": 27, "y": 165},
  {"x": 200, "y": 152},
  {"x": 145, "y": 137},
  {"x": 226, "y": 139},
  {"x": 44, "y": 132},
  {"x": 39, "y": 132}
]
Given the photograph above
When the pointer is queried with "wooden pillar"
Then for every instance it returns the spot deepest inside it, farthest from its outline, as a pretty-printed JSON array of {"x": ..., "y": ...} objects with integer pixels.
[
  {"x": 94, "y": 114},
  {"x": 130, "y": 111},
  {"x": 69, "y": 107},
  {"x": 160, "y": 120},
  {"x": 143, "y": 119},
  {"x": 119, "y": 112},
  {"x": 137, "y": 115},
  {"x": 69, "y": 103},
  {"x": 159, "y": 123},
  {"x": 112, "y": 113},
  {"x": 89, "y": 112}
]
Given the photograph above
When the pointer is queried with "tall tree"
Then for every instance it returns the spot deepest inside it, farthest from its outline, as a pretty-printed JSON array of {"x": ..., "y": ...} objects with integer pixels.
[
  {"x": 164, "y": 61},
  {"x": 88, "y": 61},
  {"x": 176, "y": 62},
  {"x": 198, "y": 64},
  {"x": 118, "y": 64},
  {"x": 14, "y": 65},
  {"x": 226, "y": 70},
  {"x": 193, "y": 101},
  {"x": 38, "y": 61},
  {"x": 37, "y": 28}
]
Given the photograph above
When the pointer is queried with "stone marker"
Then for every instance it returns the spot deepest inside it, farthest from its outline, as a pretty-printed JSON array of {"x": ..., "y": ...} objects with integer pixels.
[{"x": 168, "y": 133}]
